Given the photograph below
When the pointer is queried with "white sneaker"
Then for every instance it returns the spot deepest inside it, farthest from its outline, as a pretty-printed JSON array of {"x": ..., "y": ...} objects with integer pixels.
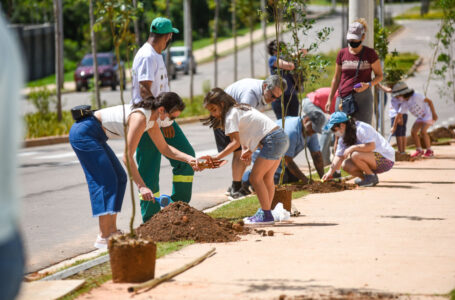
[{"x": 101, "y": 243}]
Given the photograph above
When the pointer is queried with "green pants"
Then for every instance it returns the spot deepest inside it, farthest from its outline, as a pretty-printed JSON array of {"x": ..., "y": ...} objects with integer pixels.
[{"x": 149, "y": 160}]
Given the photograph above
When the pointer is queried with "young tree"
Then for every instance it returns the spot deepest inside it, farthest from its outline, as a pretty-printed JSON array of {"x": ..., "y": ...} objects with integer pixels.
[
  {"x": 118, "y": 15},
  {"x": 234, "y": 35},
  {"x": 95, "y": 60}
]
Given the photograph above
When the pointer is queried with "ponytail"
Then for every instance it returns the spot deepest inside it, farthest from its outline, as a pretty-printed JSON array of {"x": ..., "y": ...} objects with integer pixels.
[
  {"x": 169, "y": 100},
  {"x": 350, "y": 135}
]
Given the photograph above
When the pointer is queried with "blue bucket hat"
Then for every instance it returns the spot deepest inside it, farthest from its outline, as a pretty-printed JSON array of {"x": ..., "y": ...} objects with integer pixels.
[{"x": 336, "y": 118}]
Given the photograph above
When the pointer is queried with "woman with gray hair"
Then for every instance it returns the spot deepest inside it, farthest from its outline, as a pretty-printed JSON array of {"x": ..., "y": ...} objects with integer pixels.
[{"x": 352, "y": 78}]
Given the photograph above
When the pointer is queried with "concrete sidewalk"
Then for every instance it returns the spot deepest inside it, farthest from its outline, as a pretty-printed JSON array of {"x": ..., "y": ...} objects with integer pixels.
[{"x": 397, "y": 237}]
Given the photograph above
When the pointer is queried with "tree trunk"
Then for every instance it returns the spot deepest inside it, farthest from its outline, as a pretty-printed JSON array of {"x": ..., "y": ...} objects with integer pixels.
[
  {"x": 95, "y": 61},
  {"x": 168, "y": 49},
  {"x": 137, "y": 34},
  {"x": 189, "y": 42},
  {"x": 264, "y": 35},
  {"x": 251, "y": 49},
  {"x": 215, "y": 37},
  {"x": 58, "y": 55},
  {"x": 234, "y": 34},
  {"x": 424, "y": 7}
]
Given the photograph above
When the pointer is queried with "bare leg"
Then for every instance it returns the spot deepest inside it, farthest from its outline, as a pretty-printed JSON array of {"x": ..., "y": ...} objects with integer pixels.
[
  {"x": 415, "y": 134},
  {"x": 351, "y": 168},
  {"x": 107, "y": 225},
  {"x": 426, "y": 137},
  {"x": 269, "y": 180},
  {"x": 258, "y": 181},
  {"x": 365, "y": 161},
  {"x": 238, "y": 166}
]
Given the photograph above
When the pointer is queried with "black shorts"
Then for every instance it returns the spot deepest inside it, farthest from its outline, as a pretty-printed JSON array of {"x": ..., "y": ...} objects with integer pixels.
[{"x": 222, "y": 140}]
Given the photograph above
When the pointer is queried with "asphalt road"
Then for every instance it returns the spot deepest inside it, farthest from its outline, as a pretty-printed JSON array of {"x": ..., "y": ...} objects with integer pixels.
[{"x": 56, "y": 218}]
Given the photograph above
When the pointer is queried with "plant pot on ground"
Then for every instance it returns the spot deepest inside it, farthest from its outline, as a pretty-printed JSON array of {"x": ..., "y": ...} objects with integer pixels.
[
  {"x": 283, "y": 194},
  {"x": 132, "y": 259}
]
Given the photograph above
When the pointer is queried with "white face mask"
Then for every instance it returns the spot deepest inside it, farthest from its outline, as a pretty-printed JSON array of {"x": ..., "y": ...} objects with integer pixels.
[
  {"x": 338, "y": 133},
  {"x": 166, "y": 119}
]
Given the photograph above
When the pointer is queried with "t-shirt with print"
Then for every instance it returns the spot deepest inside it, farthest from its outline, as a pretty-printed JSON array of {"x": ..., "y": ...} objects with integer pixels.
[
  {"x": 417, "y": 106},
  {"x": 248, "y": 91},
  {"x": 148, "y": 65},
  {"x": 366, "y": 134},
  {"x": 251, "y": 125},
  {"x": 349, "y": 62}
]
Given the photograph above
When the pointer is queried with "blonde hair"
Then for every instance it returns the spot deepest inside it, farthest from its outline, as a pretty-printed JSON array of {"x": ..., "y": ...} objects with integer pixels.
[{"x": 363, "y": 22}]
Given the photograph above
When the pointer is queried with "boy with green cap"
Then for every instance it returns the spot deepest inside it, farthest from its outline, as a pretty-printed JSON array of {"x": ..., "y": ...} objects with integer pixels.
[{"x": 150, "y": 79}]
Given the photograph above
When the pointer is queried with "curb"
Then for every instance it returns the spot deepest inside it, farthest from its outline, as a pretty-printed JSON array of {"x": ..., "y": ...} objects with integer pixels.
[{"x": 60, "y": 139}]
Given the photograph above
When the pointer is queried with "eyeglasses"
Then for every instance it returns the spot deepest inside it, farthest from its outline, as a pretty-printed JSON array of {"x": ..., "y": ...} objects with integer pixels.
[{"x": 274, "y": 96}]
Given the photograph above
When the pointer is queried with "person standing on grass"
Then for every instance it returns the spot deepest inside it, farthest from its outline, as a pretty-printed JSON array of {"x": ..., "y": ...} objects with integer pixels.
[
  {"x": 349, "y": 59},
  {"x": 257, "y": 94},
  {"x": 361, "y": 151},
  {"x": 249, "y": 129},
  {"x": 150, "y": 79},
  {"x": 422, "y": 108},
  {"x": 105, "y": 176}
]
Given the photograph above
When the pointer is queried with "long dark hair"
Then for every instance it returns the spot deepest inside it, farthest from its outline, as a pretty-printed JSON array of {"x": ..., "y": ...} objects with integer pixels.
[
  {"x": 350, "y": 134},
  {"x": 169, "y": 100},
  {"x": 272, "y": 47},
  {"x": 220, "y": 98}
]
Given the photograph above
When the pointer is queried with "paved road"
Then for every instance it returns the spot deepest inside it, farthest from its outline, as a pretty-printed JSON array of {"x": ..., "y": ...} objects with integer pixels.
[{"x": 56, "y": 210}]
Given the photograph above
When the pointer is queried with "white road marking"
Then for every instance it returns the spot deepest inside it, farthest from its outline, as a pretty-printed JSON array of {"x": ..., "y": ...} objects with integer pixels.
[
  {"x": 57, "y": 156},
  {"x": 30, "y": 153}
]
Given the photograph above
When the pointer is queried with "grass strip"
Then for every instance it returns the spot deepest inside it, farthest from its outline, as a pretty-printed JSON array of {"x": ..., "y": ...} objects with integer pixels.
[
  {"x": 100, "y": 274},
  {"x": 414, "y": 14}
]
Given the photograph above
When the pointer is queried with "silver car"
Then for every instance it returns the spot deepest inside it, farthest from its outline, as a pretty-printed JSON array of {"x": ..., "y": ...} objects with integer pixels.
[{"x": 181, "y": 56}]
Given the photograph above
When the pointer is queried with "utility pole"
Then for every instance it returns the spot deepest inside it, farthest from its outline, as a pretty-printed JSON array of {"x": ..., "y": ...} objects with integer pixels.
[
  {"x": 234, "y": 34},
  {"x": 188, "y": 39},
  {"x": 381, "y": 92},
  {"x": 363, "y": 9},
  {"x": 58, "y": 54},
  {"x": 264, "y": 34},
  {"x": 168, "y": 49},
  {"x": 95, "y": 61},
  {"x": 215, "y": 37},
  {"x": 344, "y": 25},
  {"x": 334, "y": 5}
]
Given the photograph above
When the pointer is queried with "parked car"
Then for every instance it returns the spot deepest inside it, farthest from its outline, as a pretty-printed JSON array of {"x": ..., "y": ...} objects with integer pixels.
[
  {"x": 181, "y": 56},
  {"x": 172, "y": 70},
  {"x": 108, "y": 71}
]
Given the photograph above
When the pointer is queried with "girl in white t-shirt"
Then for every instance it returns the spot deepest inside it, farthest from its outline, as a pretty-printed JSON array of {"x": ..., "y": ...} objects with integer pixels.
[
  {"x": 361, "y": 150},
  {"x": 249, "y": 128},
  {"x": 422, "y": 108},
  {"x": 105, "y": 176}
]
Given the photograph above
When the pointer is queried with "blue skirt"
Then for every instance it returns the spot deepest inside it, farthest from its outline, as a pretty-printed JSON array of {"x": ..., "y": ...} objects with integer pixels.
[{"x": 105, "y": 175}]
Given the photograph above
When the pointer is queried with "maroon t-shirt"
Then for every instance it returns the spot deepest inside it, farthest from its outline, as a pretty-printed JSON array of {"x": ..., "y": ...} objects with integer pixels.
[{"x": 349, "y": 62}]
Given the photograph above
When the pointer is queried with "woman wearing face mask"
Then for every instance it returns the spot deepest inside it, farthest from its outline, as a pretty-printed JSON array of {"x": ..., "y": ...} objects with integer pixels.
[
  {"x": 105, "y": 176},
  {"x": 345, "y": 79},
  {"x": 361, "y": 151}
]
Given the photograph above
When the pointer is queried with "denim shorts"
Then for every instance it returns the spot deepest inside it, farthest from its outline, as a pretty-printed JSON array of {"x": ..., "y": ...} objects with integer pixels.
[
  {"x": 104, "y": 173},
  {"x": 274, "y": 145}
]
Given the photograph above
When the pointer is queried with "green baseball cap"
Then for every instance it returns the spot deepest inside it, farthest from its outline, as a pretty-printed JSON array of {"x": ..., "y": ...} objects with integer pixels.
[{"x": 162, "y": 26}]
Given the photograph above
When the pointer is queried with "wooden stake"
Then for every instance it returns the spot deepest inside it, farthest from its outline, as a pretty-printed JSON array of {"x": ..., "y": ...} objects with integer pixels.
[{"x": 154, "y": 282}]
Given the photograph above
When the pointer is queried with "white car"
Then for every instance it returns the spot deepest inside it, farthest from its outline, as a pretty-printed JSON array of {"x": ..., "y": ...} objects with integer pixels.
[{"x": 181, "y": 57}]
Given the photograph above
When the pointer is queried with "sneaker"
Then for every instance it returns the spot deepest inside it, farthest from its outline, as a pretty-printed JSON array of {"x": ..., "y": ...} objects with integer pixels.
[
  {"x": 428, "y": 153},
  {"x": 258, "y": 219},
  {"x": 369, "y": 180},
  {"x": 101, "y": 243},
  {"x": 228, "y": 192},
  {"x": 240, "y": 194},
  {"x": 358, "y": 180},
  {"x": 417, "y": 153},
  {"x": 245, "y": 188}
]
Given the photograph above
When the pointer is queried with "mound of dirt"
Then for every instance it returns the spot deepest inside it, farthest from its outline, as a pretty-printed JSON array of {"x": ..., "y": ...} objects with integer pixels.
[
  {"x": 403, "y": 157},
  {"x": 326, "y": 187},
  {"x": 442, "y": 132},
  {"x": 179, "y": 221}
]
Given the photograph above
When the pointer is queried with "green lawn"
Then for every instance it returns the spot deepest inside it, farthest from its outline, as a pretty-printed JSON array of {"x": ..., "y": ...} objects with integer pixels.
[
  {"x": 414, "y": 13},
  {"x": 68, "y": 76}
]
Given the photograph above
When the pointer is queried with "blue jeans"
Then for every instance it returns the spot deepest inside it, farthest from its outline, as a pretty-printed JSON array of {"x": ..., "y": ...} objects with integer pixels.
[
  {"x": 11, "y": 267},
  {"x": 105, "y": 175},
  {"x": 274, "y": 145}
]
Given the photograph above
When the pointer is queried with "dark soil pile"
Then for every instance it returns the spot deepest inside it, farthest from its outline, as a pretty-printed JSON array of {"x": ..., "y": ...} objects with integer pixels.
[
  {"x": 326, "y": 187},
  {"x": 179, "y": 221},
  {"x": 343, "y": 295},
  {"x": 441, "y": 132}
]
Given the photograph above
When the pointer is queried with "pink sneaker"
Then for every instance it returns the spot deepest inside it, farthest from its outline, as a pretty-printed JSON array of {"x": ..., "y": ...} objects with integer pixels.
[
  {"x": 417, "y": 153},
  {"x": 428, "y": 153}
]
